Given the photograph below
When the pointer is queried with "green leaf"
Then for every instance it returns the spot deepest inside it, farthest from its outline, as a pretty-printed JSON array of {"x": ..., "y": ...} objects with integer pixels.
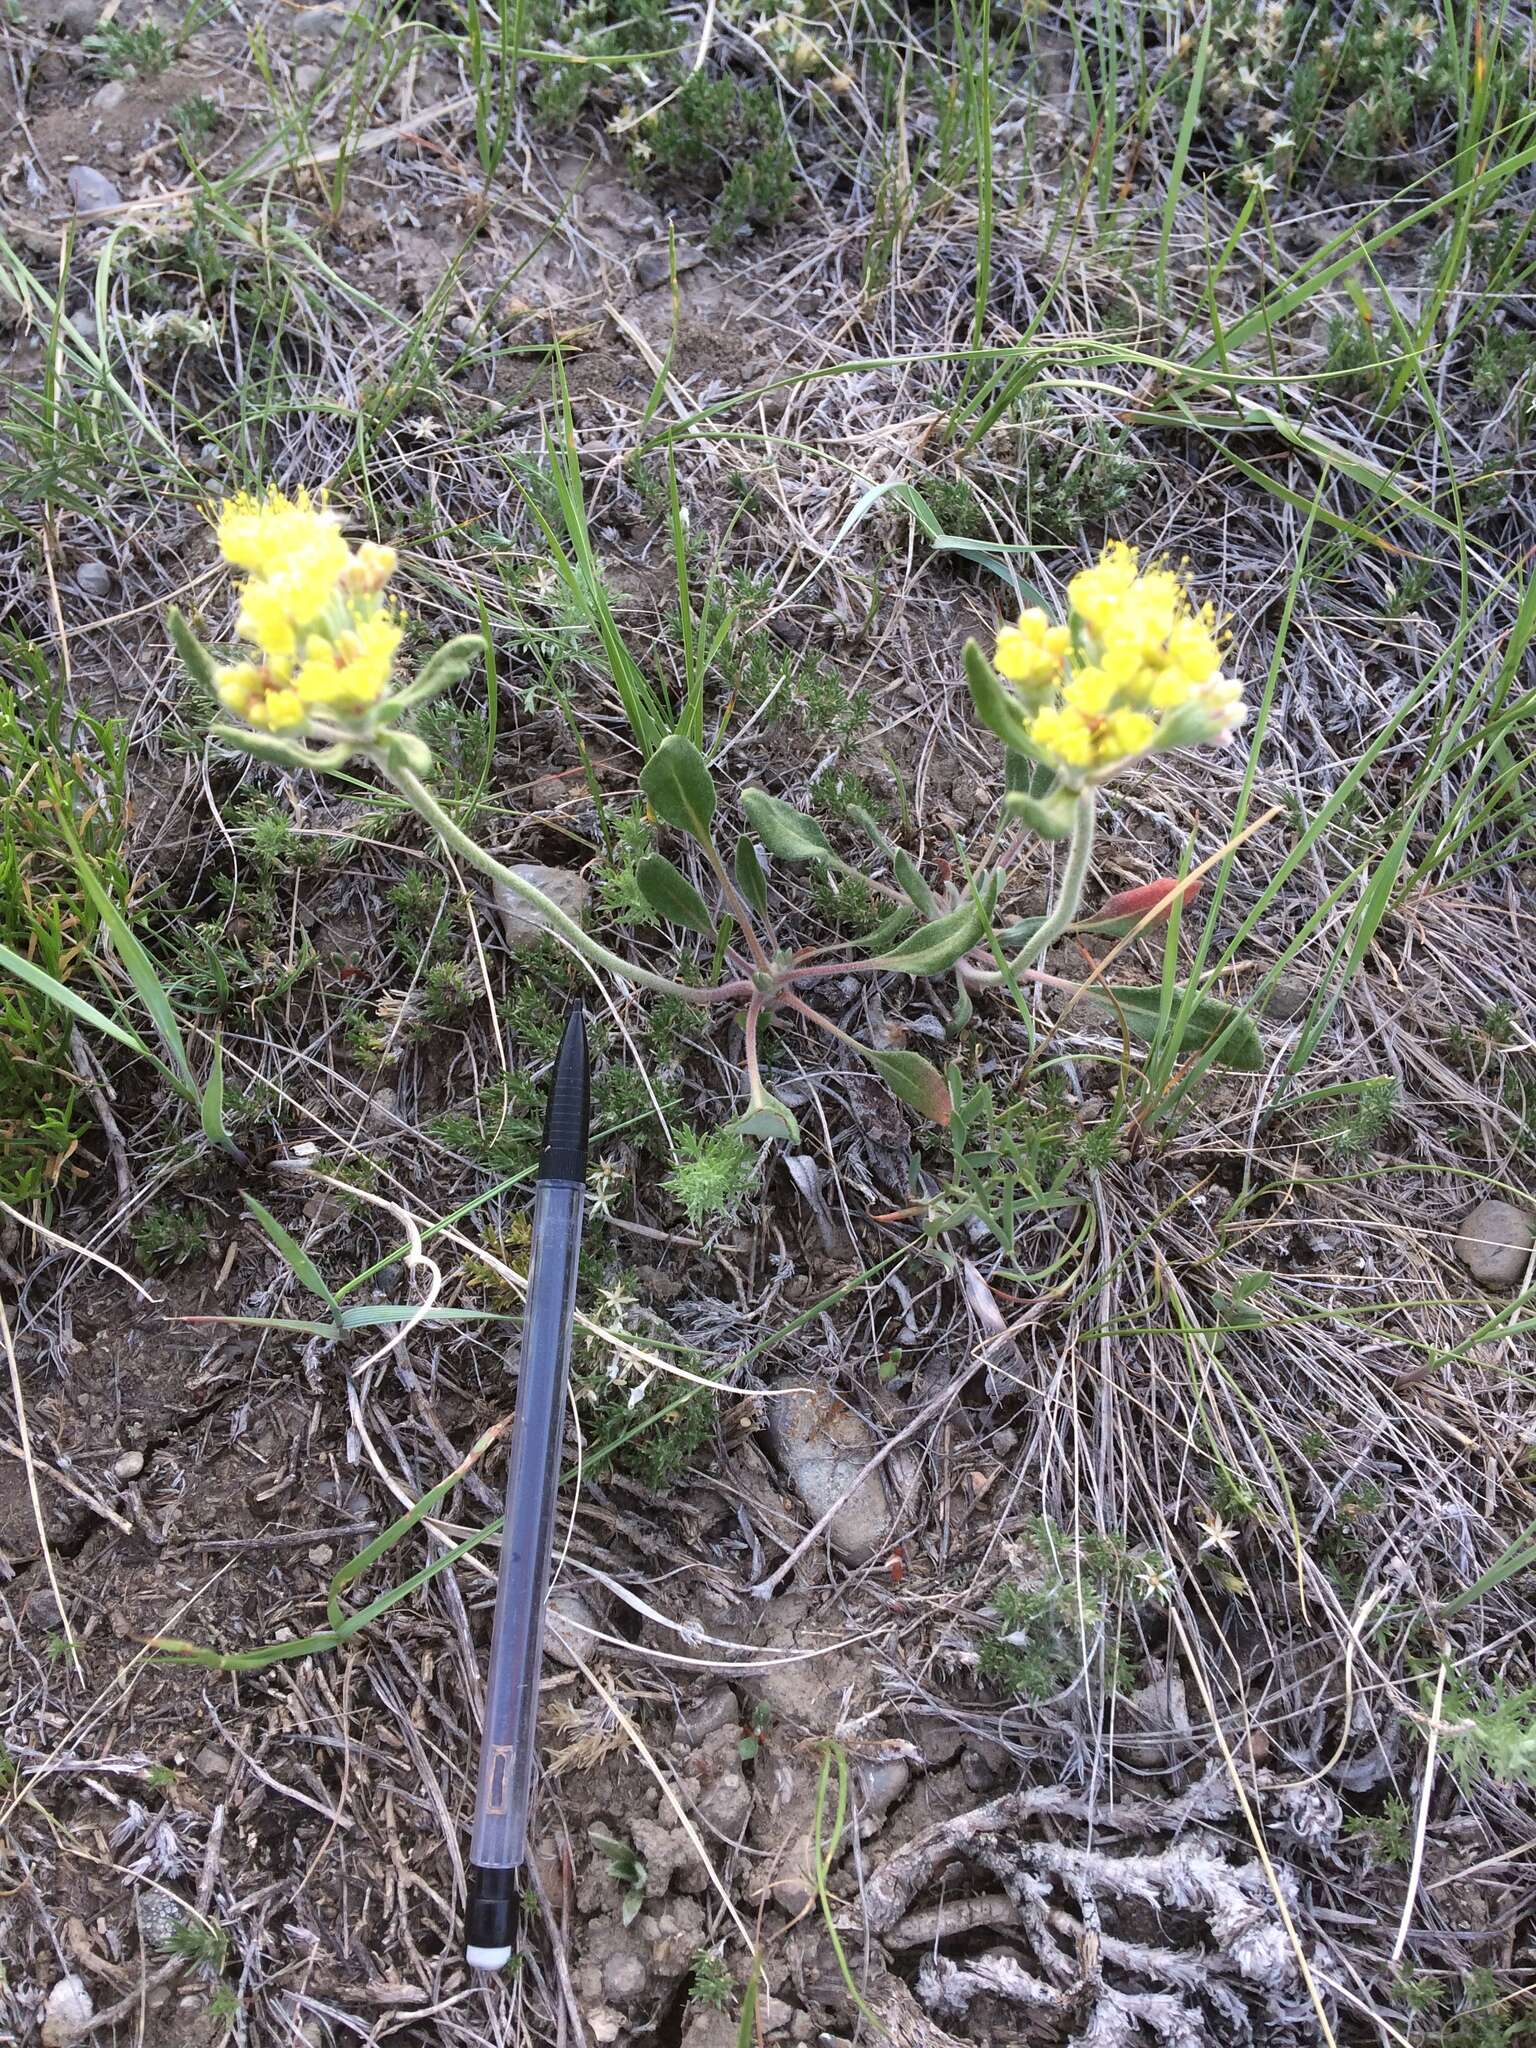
[
  {"x": 766, "y": 1117},
  {"x": 784, "y": 830},
  {"x": 294, "y": 1256},
  {"x": 934, "y": 947},
  {"x": 890, "y": 927},
  {"x": 141, "y": 971},
  {"x": 447, "y": 666},
  {"x": 212, "y": 1105},
  {"x": 996, "y": 706},
  {"x": 918, "y": 1083},
  {"x": 1051, "y": 816},
  {"x": 679, "y": 787},
  {"x": 369, "y": 1315},
  {"x": 195, "y": 658},
  {"x": 1208, "y": 1019},
  {"x": 907, "y": 874},
  {"x": 672, "y": 896},
  {"x": 40, "y": 979},
  {"x": 750, "y": 879},
  {"x": 1024, "y": 777}
]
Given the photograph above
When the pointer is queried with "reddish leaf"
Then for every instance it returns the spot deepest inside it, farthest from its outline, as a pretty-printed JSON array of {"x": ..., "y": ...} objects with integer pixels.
[{"x": 1123, "y": 912}]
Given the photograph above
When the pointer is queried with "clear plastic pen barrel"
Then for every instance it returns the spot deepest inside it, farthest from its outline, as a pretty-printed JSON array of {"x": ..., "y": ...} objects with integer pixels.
[{"x": 500, "y": 1832}]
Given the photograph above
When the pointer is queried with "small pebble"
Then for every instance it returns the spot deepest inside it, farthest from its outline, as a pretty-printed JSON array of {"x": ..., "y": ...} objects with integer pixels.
[
  {"x": 320, "y": 24},
  {"x": 306, "y": 78},
  {"x": 1494, "y": 1243},
  {"x": 76, "y": 17},
  {"x": 624, "y": 1977},
  {"x": 107, "y": 98},
  {"x": 67, "y": 2012},
  {"x": 129, "y": 1465},
  {"x": 719, "y": 1708},
  {"x": 1291, "y": 994},
  {"x": 524, "y": 924},
  {"x": 93, "y": 579},
  {"x": 83, "y": 321},
  {"x": 91, "y": 190},
  {"x": 653, "y": 266}
]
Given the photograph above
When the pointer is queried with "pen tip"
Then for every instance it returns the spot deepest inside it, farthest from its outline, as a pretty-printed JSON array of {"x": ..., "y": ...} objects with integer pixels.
[{"x": 564, "y": 1152}]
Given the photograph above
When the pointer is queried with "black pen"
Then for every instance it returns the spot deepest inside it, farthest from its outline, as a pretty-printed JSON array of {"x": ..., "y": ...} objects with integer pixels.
[{"x": 498, "y": 1845}]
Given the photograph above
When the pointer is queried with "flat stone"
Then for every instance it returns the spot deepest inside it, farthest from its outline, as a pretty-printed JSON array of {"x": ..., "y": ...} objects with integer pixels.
[
  {"x": 524, "y": 924},
  {"x": 823, "y": 1447},
  {"x": 129, "y": 1465},
  {"x": 107, "y": 98},
  {"x": 881, "y": 1784},
  {"x": 726, "y": 1803},
  {"x": 91, "y": 190},
  {"x": 1290, "y": 996},
  {"x": 1494, "y": 1243},
  {"x": 93, "y": 579},
  {"x": 624, "y": 1977},
  {"x": 67, "y": 2012},
  {"x": 210, "y": 1762},
  {"x": 306, "y": 78},
  {"x": 653, "y": 266},
  {"x": 320, "y": 24},
  {"x": 719, "y": 1708},
  {"x": 76, "y": 18}
]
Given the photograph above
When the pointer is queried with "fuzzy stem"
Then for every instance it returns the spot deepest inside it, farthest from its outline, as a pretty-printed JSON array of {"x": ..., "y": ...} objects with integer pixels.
[
  {"x": 1069, "y": 896},
  {"x": 426, "y": 805}
]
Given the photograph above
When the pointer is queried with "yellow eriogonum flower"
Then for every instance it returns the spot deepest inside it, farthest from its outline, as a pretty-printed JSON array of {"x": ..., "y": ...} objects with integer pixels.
[
  {"x": 313, "y": 610},
  {"x": 1030, "y": 653},
  {"x": 1137, "y": 668}
]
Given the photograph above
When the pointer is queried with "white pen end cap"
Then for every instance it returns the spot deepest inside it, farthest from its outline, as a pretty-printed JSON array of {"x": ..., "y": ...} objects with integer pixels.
[{"x": 488, "y": 1958}]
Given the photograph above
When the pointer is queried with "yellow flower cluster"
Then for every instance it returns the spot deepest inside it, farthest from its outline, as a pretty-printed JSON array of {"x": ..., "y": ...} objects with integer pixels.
[
  {"x": 312, "y": 608},
  {"x": 1137, "y": 667}
]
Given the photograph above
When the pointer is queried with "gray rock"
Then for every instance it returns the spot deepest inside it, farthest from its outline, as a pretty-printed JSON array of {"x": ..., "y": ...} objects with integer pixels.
[
  {"x": 1290, "y": 996},
  {"x": 624, "y": 1977},
  {"x": 726, "y": 1803},
  {"x": 83, "y": 321},
  {"x": 881, "y": 1783},
  {"x": 719, "y": 1708},
  {"x": 523, "y": 924},
  {"x": 91, "y": 190},
  {"x": 306, "y": 78},
  {"x": 76, "y": 18},
  {"x": 653, "y": 265},
  {"x": 93, "y": 578},
  {"x": 823, "y": 1447},
  {"x": 710, "y": 2030},
  {"x": 210, "y": 1762},
  {"x": 129, "y": 1465},
  {"x": 320, "y": 24},
  {"x": 1494, "y": 1243},
  {"x": 67, "y": 2012},
  {"x": 106, "y": 99},
  {"x": 572, "y": 1626}
]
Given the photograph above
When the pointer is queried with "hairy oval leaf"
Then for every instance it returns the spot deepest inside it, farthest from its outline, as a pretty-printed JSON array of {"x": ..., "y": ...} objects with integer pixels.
[
  {"x": 1208, "y": 1020},
  {"x": 672, "y": 896},
  {"x": 917, "y": 1081},
  {"x": 679, "y": 786},
  {"x": 784, "y": 830}
]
